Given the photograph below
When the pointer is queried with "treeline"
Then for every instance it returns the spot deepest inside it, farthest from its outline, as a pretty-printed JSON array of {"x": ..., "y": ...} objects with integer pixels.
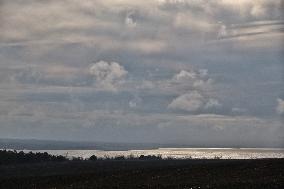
[{"x": 14, "y": 157}]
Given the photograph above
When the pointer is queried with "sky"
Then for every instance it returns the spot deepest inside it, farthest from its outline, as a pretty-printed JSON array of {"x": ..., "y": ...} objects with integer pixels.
[{"x": 193, "y": 72}]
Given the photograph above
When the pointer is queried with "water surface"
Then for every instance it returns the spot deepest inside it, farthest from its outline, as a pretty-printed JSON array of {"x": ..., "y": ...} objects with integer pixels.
[{"x": 181, "y": 153}]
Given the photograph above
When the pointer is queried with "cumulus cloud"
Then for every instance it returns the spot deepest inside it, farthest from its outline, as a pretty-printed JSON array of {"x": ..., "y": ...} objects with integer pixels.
[
  {"x": 196, "y": 96},
  {"x": 175, "y": 84},
  {"x": 108, "y": 75},
  {"x": 212, "y": 103},
  {"x": 280, "y": 106},
  {"x": 192, "y": 102},
  {"x": 189, "y": 102},
  {"x": 185, "y": 75},
  {"x": 192, "y": 79}
]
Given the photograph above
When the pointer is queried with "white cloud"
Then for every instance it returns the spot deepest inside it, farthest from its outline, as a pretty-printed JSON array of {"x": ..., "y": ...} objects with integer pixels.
[
  {"x": 191, "y": 102},
  {"x": 108, "y": 76},
  {"x": 280, "y": 106},
  {"x": 212, "y": 103},
  {"x": 195, "y": 95},
  {"x": 185, "y": 75},
  {"x": 192, "y": 79},
  {"x": 129, "y": 20}
]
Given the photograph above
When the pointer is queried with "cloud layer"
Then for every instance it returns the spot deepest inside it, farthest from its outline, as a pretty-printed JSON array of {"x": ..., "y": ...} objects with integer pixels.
[
  {"x": 142, "y": 71},
  {"x": 280, "y": 106}
]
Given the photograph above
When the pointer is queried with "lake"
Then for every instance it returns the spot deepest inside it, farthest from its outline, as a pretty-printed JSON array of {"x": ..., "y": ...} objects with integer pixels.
[{"x": 179, "y": 153}]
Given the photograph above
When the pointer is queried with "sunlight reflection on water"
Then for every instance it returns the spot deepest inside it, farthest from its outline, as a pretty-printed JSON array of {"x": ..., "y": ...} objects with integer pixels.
[{"x": 179, "y": 153}]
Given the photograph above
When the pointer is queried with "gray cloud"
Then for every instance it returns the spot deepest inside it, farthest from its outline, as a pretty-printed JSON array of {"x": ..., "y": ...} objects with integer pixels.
[
  {"x": 104, "y": 22},
  {"x": 193, "y": 79},
  {"x": 130, "y": 19},
  {"x": 28, "y": 75},
  {"x": 135, "y": 102},
  {"x": 280, "y": 106},
  {"x": 164, "y": 62},
  {"x": 193, "y": 101},
  {"x": 189, "y": 102},
  {"x": 108, "y": 75},
  {"x": 197, "y": 86},
  {"x": 250, "y": 29},
  {"x": 165, "y": 128},
  {"x": 234, "y": 9},
  {"x": 212, "y": 103}
]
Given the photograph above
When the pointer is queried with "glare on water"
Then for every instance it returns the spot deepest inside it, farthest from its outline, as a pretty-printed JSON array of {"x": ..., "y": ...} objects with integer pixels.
[{"x": 179, "y": 153}]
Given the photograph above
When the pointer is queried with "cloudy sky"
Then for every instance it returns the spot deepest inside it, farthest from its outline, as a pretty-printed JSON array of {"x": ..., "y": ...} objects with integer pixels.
[{"x": 166, "y": 71}]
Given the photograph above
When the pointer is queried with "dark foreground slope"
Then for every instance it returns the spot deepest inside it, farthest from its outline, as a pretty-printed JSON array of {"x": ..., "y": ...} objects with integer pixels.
[{"x": 145, "y": 174}]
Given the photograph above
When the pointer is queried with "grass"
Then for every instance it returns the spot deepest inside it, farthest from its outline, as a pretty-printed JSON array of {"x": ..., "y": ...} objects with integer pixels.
[{"x": 121, "y": 173}]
